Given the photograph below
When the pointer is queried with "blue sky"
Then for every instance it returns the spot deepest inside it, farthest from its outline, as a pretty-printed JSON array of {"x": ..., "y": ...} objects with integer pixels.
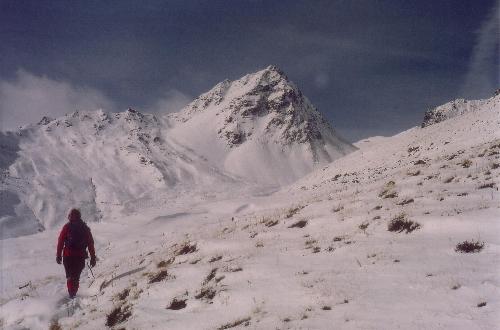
[{"x": 371, "y": 67}]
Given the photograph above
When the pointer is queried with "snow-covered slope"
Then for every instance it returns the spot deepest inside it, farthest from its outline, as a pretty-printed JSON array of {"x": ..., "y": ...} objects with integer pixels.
[
  {"x": 316, "y": 255},
  {"x": 97, "y": 161},
  {"x": 459, "y": 107},
  {"x": 259, "y": 130}
]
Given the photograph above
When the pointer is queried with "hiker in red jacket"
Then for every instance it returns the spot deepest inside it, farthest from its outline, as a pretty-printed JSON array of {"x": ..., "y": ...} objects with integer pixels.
[{"x": 75, "y": 238}]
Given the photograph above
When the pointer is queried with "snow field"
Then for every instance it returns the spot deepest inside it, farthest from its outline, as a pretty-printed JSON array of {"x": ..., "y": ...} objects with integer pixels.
[{"x": 315, "y": 255}]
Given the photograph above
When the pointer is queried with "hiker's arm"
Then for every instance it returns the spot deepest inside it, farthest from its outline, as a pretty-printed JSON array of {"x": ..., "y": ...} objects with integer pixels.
[{"x": 60, "y": 241}]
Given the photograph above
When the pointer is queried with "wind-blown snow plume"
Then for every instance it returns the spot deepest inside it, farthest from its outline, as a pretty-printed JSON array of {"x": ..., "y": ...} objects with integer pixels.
[
  {"x": 28, "y": 98},
  {"x": 481, "y": 80}
]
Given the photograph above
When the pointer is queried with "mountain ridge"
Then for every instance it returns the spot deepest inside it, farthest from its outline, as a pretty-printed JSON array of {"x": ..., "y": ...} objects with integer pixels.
[{"x": 99, "y": 161}]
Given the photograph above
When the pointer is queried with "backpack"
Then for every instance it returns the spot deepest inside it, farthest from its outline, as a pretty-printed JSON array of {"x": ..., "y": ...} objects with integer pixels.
[{"x": 76, "y": 237}]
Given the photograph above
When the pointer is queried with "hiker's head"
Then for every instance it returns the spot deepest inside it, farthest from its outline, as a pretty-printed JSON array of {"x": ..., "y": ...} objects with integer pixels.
[{"x": 74, "y": 215}]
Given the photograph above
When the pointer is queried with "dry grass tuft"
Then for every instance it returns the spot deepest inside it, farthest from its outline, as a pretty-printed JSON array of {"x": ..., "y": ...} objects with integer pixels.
[
  {"x": 245, "y": 321},
  {"x": 158, "y": 277},
  {"x": 469, "y": 247},
  {"x": 299, "y": 224},
  {"x": 177, "y": 304},
  {"x": 54, "y": 325},
  {"x": 186, "y": 248},
  {"x": 119, "y": 315},
  {"x": 400, "y": 224}
]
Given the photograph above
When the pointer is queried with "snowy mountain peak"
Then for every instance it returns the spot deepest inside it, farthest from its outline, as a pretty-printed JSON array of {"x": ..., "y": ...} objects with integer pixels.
[
  {"x": 258, "y": 104},
  {"x": 458, "y": 107}
]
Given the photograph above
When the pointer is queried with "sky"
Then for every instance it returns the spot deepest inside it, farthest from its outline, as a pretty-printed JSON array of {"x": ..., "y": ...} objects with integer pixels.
[{"x": 371, "y": 67}]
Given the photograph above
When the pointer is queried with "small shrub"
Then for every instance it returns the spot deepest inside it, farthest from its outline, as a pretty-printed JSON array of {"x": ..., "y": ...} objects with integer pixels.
[
  {"x": 299, "y": 224},
  {"x": 387, "y": 190},
  {"x": 158, "y": 277},
  {"x": 206, "y": 293},
  {"x": 494, "y": 166},
  {"x": 413, "y": 173},
  {"x": 400, "y": 224},
  {"x": 466, "y": 163},
  {"x": 165, "y": 263},
  {"x": 186, "y": 248},
  {"x": 214, "y": 259},
  {"x": 124, "y": 294},
  {"x": 177, "y": 304},
  {"x": 292, "y": 211},
  {"x": 310, "y": 242},
  {"x": 448, "y": 180},
  {"x": 412, "y": 149},
  {"x": 118, "y": 315},
  {"x": 391, "y": 195},
  {"x": 337, "y": 209},
  {"x": 245, "y": 321},
  {"x": 420, "y": 162},
  {"x": 363, "y": 226},
  {"x": 406, "y": 201},
  {"x": 54, "y": 325},
  {"x": 210, "y": 276},
  {"x": 469, "y": 247},
  {"x": 487, "y": 185},
  {"x": 235, "y": 269},
  {"x": 271, "y": 223}
]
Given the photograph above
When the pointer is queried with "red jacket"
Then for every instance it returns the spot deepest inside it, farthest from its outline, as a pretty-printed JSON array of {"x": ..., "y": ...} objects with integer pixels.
[{"x": 67, "y": 252}]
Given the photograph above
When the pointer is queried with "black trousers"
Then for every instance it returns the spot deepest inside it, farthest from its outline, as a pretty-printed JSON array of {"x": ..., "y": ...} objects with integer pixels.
[{"x": 73, "y": 266}]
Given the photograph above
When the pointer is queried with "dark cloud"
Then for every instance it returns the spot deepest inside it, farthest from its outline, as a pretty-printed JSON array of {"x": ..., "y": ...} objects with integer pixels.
[{"x": 372, "y": 67}]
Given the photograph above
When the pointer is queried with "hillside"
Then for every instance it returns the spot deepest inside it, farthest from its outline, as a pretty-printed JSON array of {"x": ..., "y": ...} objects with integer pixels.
[{"x": 374, "y": 240}]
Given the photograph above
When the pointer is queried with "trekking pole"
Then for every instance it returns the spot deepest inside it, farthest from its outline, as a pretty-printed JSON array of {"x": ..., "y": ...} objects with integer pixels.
[{"x": 91, "y": 272}]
